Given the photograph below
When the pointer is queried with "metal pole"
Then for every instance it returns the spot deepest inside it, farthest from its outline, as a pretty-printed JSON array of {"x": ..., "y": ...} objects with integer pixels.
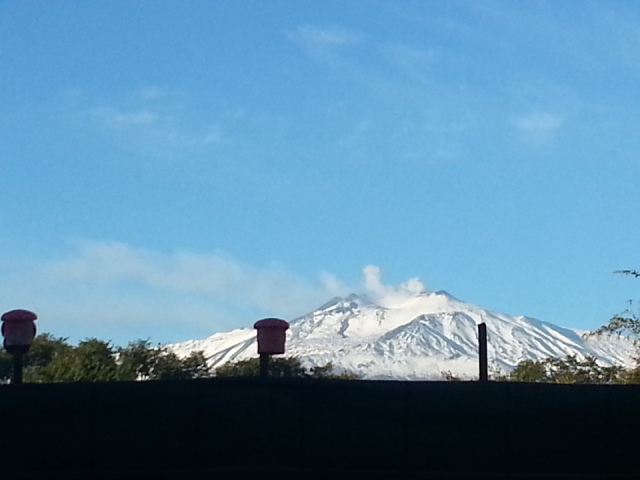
[
  {"x": 17, "y": 368},
  {"x": 264, "y": 364},
  {"x": 482, "y": 352}
]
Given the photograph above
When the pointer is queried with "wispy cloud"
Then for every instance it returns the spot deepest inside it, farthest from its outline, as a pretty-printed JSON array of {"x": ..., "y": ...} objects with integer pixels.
[
  {"x": 414, "y": 62},
  {"x": 115, "y": 117},
  {"x": 269, "y": 289},
  {"x": 538, "y": 127},
  {"x": 121, "y": 292},
  {"x": 153, "y": 120},
  {"x": 159, "y": 125},
  {"x": 154, "y": 92},
  {"x": 326, "y": 44},
  {"x": 314, "y": 37},
  {"x": 414, "y": 112}
]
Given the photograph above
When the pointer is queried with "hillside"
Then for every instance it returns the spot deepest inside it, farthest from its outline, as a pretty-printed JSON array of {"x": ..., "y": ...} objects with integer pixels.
[{"x": 414, "y": 337}]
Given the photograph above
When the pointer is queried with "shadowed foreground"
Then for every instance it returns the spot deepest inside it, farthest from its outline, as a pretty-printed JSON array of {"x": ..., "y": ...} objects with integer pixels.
[{"x": 303, "y": 428}]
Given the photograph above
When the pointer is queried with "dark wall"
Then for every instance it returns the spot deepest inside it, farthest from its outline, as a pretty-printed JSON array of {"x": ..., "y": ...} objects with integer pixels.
[{"x": 243, "y": 428}]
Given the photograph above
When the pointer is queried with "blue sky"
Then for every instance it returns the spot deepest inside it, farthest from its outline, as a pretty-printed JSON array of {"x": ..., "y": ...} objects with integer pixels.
[{"x": 171, "y": 169}]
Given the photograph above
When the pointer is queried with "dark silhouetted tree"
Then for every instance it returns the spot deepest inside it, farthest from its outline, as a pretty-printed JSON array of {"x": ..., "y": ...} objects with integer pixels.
[
  {"x": 52, "y": 360},
  {"x": 625, "y": 323},
  {"x": 569, "y": 369},
  {"x": 280, "y": 367},
  {"x": 140, "y": 361}
]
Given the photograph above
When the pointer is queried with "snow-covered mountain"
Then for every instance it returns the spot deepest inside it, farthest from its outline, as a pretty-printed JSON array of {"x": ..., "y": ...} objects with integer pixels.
[{"x": 413, "y": 337}]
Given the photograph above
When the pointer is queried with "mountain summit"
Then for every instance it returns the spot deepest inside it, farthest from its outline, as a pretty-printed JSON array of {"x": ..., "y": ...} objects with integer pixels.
[{"x": 414, "y": 337}]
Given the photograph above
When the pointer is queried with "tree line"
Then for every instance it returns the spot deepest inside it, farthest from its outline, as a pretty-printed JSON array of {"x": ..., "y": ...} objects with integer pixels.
[
  {"x": 53, "y": 360},
  {"x": 572, "y": 369}
]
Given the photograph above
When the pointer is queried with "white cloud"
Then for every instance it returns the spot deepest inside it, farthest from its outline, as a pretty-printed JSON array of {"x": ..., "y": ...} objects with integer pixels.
[
  {"x": 154, "y": 92},
  {"x": 119, "y": 292},
  {"x": 152, "y": 120},
  {"x": 114, "y": 116},
  {"x": 415, "y": 62},
  {"x": 539, "y": 127},
  {"x": 318, "y": 37},
  {"x": 387, "y": 295},
  {"x": 325, "y": 44},
  {"x": 539, "y": 122},
  {"x": 333, "y": 285},
  {"x": 216, "y": 276}
]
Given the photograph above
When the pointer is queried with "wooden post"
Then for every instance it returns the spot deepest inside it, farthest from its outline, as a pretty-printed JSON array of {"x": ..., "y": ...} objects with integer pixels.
[
  {"x": 17, "y": 368},
  {"x": 482, "y": 352},
  {"x": 264, "y": 364}
]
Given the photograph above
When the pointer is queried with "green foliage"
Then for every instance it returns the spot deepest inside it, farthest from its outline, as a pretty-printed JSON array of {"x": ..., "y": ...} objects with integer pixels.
[
  {"x": 327, "y": 371},
  {"x": 280, "y": 367},
  {"x": 569, "y": 369},
  {"x": 496, "y": 374},
  {"x": 52, "y": 360},
  {"x": 449, "y": 376},
  {"x": 630, "y": 376},
  {"x": 634, "y": 273},
  {"x": 5, "y": 366},
  {"x": 195, "y": 366},
  {"x": 45, "y": 347},
  {"x": 625, "y": 323},
  {"x": 140, "y": 361},
  {"x": 91, "y": 361},
  {"x": 529, "y": 371}
]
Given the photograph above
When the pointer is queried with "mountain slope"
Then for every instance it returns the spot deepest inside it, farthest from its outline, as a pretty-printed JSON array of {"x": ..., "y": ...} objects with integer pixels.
[{"x": 415, "y": 336}]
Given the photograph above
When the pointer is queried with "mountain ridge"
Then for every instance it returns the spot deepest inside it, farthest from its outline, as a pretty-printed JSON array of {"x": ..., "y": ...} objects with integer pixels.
[{"x": 414, "y": 336}]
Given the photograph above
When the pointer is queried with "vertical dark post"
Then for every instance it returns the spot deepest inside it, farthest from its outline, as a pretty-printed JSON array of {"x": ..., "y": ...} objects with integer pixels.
[
  {"x": 271, "y": 340},
  {"x": 18, "y": 331},
  {"x": 17, "y": 368},
  {"x": 264, "y": 364},
  {"x": 482, "y": 352}
]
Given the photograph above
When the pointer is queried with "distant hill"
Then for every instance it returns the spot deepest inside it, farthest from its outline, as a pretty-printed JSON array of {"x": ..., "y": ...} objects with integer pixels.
[{"x": 414, "y": 337}]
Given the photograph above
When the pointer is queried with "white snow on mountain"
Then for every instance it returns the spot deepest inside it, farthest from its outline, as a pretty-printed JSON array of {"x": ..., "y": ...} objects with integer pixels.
[{"x": 414, "y": 335}]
